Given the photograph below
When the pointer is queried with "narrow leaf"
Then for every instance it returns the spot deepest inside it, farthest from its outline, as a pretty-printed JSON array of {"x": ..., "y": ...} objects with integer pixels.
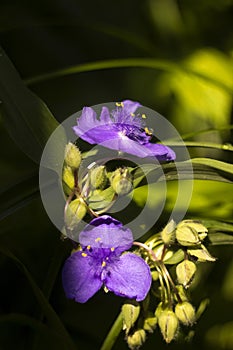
[
  {"x": 50, "y": 314},
  {"x": 26, "y": 117}
]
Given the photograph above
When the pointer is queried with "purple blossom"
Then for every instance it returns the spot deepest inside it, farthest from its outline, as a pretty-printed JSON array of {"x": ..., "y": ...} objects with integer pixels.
[
  {"x": 120, "y": 130},
  {"x": 101, "y": 262}
]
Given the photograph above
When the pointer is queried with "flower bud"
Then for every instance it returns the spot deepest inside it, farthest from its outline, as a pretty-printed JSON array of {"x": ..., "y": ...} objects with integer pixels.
[
  {"x": 182, "y": 292},
  {"x": 185, "y": 313},
  {"x": 168, "y": 233},
  {"x": 185, "y": 272},
  {"x": 130, "y": 313},
  {"x": 198, "y": 227},
  {"x": 136, "y": 339},
  {"x": 186, "y": 235},
  {"x": 201, "y": 254},
  {"x": 72, "y": 156},
  {"x": 160, "y": 308},
  {"x": 150, "y": 323},
  {"x": 68, "y": 179},
  {"x": 98, "y": 177},
  {"x": 75, "y": 212},
  {"x": 121, "y": 181},
  {"x": 168, "y": 324},
  {"x": 154, "y": 275}
]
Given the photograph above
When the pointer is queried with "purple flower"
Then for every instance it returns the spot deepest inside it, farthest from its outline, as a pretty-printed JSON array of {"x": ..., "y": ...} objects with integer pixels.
[
  {"x": 101, "y": 262},
  {"x": 121, "y": 130}
]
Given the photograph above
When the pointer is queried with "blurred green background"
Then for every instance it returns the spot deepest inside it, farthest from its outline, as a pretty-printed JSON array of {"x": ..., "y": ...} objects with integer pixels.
[{"x": 174, "y": 57}]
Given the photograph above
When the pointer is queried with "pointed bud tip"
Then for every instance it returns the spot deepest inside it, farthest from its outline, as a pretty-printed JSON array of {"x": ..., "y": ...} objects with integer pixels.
[{"x": 72, "y": 156}]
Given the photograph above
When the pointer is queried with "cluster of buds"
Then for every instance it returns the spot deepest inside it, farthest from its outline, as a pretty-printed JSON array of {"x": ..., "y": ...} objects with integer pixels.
[
  {"x": 180, "y": 246},
  {"x": 95, "y": 192},
  {"x": 188, "y": 235},
  {"x": 137, "y": 322}
]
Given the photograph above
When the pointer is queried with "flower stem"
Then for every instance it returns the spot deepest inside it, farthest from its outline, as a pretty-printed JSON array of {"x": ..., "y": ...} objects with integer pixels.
[{"x": 113, "y": 334}]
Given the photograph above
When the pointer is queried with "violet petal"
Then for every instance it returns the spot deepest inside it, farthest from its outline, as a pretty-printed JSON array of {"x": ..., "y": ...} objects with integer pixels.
[
  {"x": 129, "y": 276},
  {"x": 81, "y": 277},
  {"x": 106, "y": 232}
]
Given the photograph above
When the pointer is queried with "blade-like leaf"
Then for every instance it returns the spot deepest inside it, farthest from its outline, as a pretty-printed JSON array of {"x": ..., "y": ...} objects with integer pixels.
[
  {"x": 26, "y": 117},
  {"x": 18, "y": 196},
  {"x": 197, "y": 168},
  {"x": 149, "y": 63},
  {"x": 48, "y": 311},
  {"x": 219, "y": 238}
]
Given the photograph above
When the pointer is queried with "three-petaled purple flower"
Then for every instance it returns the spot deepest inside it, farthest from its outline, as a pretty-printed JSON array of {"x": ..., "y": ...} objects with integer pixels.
[
  {"x": 101, "y": 262},
  {"x": 120, "y": 130}
]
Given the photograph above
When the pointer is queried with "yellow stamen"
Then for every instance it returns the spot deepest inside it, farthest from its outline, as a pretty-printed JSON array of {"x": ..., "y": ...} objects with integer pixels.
[
  {"x": 112, "y": 249},
  {"x": 132, "y": 114},
  {"x": 148, "y": 132},
  {"x": 103, "y": 264},
  {"x": 98, "y": 239},
  {"x": 84, "y": 255},
  {"x": 143, "y": 116},
  {"x": 120, "y": 104},
  {"x": 88, "y": 247}
]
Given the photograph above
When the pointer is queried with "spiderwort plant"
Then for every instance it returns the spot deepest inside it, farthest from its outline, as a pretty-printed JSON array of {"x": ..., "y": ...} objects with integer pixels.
[
  {"x": 155, "y": 296},
  {"x": 102, "y": 261},
  {"x": 121, "y": 130}
]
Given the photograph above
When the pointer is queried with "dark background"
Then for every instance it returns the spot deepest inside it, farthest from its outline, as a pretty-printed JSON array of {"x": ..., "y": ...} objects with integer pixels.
[{"x": 45, "y": 36}]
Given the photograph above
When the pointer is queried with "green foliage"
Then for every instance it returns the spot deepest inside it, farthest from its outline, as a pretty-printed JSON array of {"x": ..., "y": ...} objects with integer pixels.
[{"x": 173, "y": 57}]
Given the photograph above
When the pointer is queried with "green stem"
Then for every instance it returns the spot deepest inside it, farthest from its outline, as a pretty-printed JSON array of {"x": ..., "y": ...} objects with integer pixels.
[{"x": 113, "y": 334}]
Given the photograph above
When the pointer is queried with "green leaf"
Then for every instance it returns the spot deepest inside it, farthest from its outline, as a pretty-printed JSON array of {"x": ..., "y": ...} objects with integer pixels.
[
  {"x": 149, "y": 63},
  {"x": 177, "y": 257},
  {"x": 101, "y": 199},
  {"x": 215, "y": 225},
  {"x": 202, "y": 307},
  {"x": 203, "y": 169},
  {"x": 26, "y": 117},
  {"x": 24, "y": 320},
  {"x": 18, "y": 195},
  {"x": 224, "y": 147},
  {"x": 219, "y": 238},
  {"x": 197, "y": 168},
  {"x": 53, "y": 319}
]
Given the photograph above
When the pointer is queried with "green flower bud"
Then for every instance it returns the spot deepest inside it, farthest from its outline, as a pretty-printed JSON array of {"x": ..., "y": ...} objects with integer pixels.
[
  {"x": 160, "y": 308},
  {"x": 130, "y": 313},
  {"x": 150, "y": 323},
  {"x": 67, "y": 179},
  {"x": 121, "y": 181},
  {"x": 168, "y": 324},
  {"x": 72, "y": 156},
  {"x": 75, "y": 212},
  {"x": 98, "y": 177},
  {"x": 186, "y": 235},
  {"x": 136, "y": 339},
  {"x": 168, "y": 233},
  {"x": 185, "y": 313},
  {"x": 185, "y": 272},
  {"x": 182, "y": 292},
  {"x": 155, "y": 275},
  {"x": 201, "y": 254},
  {"x": 197, "y": 227}
]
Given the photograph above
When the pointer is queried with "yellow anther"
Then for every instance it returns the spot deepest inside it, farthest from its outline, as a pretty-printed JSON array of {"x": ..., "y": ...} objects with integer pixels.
[
  {"x": 98, "y": 239},
  {"x": 119, "y": 104},
  {"x": 84, "y": 255},
  {"x": 103, "y": 264},
  {"x": 132, "y": 114},
  {"x": 88, "y": 247},
  {"x": 143, "y": 116},
  {"x": 148, "y": 132},
  {"x": 112, "y": 249}
]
